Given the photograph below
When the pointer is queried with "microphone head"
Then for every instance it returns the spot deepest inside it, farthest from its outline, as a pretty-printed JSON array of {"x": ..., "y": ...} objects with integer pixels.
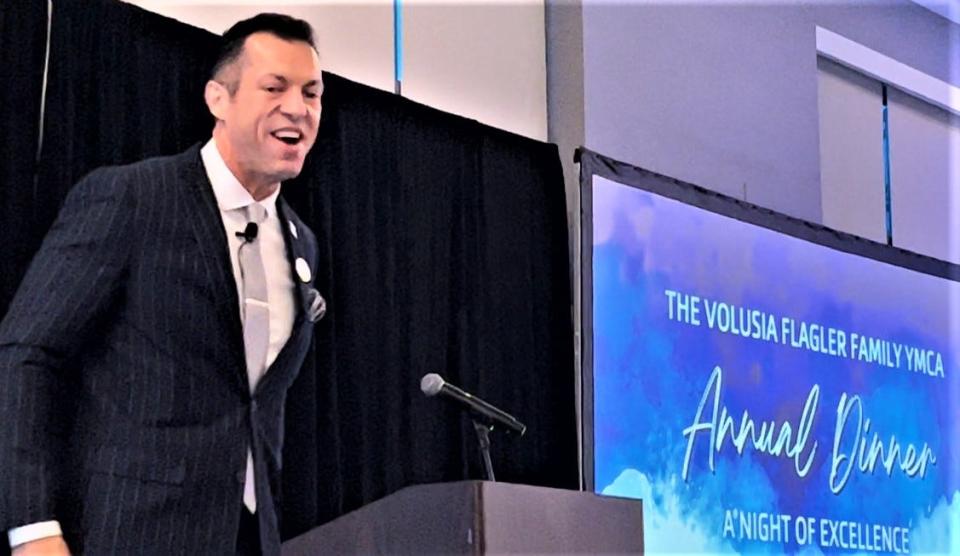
[
  {"x": 249, "y": 233},
  {"x": 431, "y": 384}
]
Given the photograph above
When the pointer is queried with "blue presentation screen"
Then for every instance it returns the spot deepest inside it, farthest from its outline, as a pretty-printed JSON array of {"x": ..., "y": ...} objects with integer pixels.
[{"x": 764, "y": 393}]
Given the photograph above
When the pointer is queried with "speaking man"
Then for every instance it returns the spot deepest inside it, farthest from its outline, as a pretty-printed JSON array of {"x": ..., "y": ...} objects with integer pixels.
[{"x": 175, "y": 296}]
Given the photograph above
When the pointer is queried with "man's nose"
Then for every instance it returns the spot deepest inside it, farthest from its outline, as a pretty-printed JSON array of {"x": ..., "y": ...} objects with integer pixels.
[{"x": 292, "y": 104}]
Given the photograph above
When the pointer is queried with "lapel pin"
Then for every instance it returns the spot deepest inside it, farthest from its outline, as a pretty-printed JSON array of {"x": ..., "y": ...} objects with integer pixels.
[
  {"x": 293, "y": 230},
  {"x": 303, "y": 270}
]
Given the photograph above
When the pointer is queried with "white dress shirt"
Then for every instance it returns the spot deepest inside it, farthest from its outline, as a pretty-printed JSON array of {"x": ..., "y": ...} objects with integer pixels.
[{"x": 232, "y": 200}]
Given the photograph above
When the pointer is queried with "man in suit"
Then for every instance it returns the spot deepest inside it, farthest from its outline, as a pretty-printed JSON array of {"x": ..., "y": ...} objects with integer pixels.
[{"x": 172, "y": 304}]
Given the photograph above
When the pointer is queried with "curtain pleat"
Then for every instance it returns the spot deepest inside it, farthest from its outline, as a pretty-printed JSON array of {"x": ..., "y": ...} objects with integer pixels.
[
  {"x": 123, "y": 84},
  {"x": 23, "y": 35}
]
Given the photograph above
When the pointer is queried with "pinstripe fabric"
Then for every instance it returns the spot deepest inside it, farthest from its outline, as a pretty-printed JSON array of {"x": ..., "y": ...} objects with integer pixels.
[{"x": 131, "y": 301}]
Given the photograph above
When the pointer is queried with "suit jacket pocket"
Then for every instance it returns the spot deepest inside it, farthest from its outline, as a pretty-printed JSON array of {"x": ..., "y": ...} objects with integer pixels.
[
  {"x": 123, "y": 505},
  {"x": 145, "y": 465}
]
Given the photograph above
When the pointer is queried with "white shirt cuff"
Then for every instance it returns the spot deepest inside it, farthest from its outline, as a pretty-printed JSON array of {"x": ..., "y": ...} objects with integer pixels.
[{"x": 33, "y": 532}]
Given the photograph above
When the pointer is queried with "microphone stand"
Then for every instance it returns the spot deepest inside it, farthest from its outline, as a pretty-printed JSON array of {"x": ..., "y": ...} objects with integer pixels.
[{"x": 483, "y": 438}]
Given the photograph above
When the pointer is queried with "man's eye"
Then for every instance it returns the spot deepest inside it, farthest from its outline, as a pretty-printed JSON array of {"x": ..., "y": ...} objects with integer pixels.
[
  {"x": 272, "y": 89},
  {"x": 311, "y": 94}
]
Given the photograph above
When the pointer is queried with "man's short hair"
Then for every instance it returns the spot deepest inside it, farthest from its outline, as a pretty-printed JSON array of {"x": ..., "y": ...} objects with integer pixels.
[{"x": 282, "y": 26}]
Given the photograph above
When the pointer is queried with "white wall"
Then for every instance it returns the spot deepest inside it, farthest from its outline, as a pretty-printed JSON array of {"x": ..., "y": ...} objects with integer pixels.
[
  {"x": 925, "y": 177},
  {"x": 354, "y": 40},
  {"x": 725, "y": 94},
  {"x": 924, "y": 147},
  {"x": 852, "y": 192},
  {"x": 482, "y": 60}
]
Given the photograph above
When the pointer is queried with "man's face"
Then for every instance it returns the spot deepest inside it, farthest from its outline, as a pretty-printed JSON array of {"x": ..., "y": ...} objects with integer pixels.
[{"x": 270, "y": 122}]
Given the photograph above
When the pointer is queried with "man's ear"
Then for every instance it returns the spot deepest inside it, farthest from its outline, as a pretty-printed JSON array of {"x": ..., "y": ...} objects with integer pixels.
[{"x": 217, "y": 97}]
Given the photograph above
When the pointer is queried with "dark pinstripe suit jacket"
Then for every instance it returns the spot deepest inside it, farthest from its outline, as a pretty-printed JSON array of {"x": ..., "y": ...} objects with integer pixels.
[{"x": 131, "y": 300}]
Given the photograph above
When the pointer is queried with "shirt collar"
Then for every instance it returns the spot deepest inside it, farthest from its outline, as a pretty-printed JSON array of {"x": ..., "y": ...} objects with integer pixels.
[{"x": 228, "y": 190}]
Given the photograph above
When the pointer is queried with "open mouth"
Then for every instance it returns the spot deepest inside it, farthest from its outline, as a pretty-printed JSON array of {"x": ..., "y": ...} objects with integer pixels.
[{"x": 290, "y": 137}]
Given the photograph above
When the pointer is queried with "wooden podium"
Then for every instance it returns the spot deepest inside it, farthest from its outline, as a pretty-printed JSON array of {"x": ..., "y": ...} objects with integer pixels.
[{"x": 479, "y": 517}]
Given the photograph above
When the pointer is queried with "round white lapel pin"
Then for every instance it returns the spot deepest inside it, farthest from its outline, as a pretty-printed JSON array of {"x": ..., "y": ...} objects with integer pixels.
[
  {"x": 293, "y": 230},
  {"x": 303, "y": 270}
]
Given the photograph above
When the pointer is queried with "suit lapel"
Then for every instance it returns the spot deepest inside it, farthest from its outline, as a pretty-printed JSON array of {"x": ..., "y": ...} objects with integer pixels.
[
  {"x": 295, "y": 252},
  {"x": 203, "y": 217}
]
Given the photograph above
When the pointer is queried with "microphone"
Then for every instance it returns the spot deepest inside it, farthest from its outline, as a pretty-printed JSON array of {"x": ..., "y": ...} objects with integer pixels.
[
  {"x": 432, "y": 384},
  {"x": 249, "y": 233}
]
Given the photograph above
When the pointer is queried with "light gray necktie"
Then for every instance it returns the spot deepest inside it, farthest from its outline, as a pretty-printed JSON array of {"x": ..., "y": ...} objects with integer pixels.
[{"x": 256, "y": 325}]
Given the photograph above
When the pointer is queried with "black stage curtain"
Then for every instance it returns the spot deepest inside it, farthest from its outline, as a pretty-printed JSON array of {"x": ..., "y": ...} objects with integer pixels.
[
  {"x": 23, "y": 36},
  {"x": 123, "y": 84},
  {"x": 446, "y": 244},
  {"x": 443, "y": 249}
]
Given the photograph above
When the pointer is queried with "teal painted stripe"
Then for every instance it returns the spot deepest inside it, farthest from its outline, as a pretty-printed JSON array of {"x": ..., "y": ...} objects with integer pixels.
[
  {"x": 397, "y": 46},
  {"x": 886, "y": 169}
]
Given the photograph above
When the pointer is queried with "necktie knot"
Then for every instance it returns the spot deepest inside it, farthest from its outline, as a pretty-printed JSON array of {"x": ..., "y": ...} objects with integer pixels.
[{"x": 256, "y": 213}]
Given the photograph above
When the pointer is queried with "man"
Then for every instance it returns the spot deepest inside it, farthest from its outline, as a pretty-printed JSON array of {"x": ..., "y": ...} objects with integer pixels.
[{"x": 174, "y": 296}]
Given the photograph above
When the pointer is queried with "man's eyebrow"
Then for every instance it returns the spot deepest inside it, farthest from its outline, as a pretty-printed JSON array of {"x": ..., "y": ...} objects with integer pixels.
[{"x": 285, "y": 81}]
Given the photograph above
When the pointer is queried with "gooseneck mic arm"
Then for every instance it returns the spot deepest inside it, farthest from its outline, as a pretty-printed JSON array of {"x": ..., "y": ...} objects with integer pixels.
[
  {"x": 433, "y": 384},
  {"x": 484, "y": 415}
]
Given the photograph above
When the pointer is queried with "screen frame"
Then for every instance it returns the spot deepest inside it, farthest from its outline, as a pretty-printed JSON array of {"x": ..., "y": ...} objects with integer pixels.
[{"x": 595, "y": 164}]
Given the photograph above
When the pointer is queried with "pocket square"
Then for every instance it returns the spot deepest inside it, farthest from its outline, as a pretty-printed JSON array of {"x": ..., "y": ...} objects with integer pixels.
[{"x": 316, "y": 305}]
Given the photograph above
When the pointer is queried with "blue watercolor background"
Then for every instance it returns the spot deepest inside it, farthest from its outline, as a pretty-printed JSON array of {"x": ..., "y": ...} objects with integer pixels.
[{"x": 650, "y": 373}]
